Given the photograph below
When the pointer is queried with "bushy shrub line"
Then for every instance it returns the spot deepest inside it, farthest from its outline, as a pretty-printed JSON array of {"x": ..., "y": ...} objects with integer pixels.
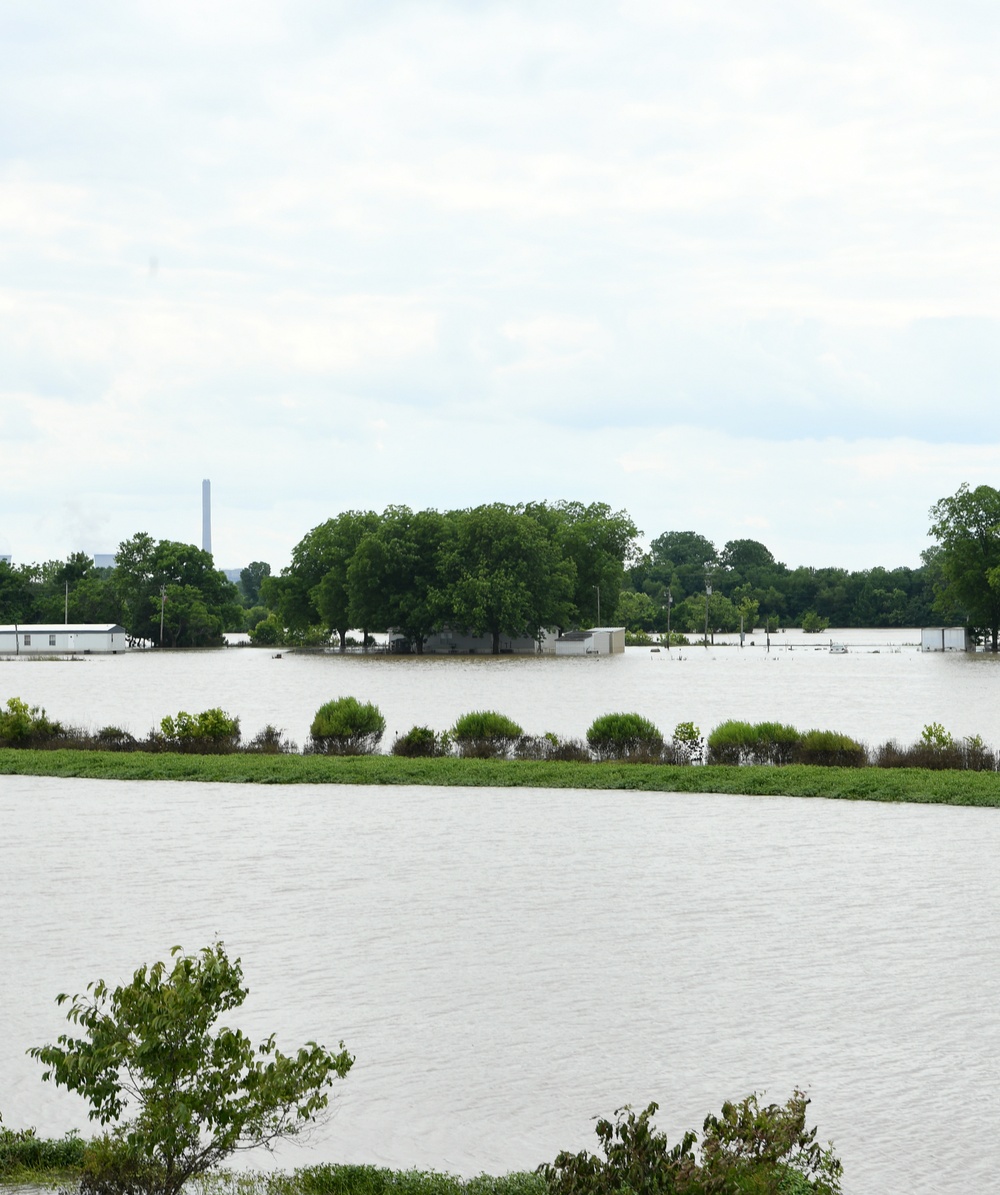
[
  {"x": 23, "y": 1154},
  {"x": 346, "y": 726}
]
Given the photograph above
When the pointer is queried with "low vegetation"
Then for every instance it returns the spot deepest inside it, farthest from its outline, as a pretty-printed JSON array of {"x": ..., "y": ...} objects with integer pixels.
[
  {"x": 748, "y": 1148},
  {"x": 350, "y": 728}
]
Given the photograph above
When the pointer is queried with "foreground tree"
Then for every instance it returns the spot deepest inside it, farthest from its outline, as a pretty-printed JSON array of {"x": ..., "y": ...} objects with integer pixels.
[
  {"x": 967, "y": 560},
  {"x": 195, "y": 1093}
]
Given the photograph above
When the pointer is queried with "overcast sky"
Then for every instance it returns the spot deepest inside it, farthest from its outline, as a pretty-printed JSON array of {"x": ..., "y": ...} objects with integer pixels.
[{"x": 733, "y": 267}]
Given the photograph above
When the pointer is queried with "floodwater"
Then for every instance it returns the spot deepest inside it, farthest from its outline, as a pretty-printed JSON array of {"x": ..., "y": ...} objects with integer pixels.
[
  {"x": 883, "y": 687},
  {"x": 508, "y": 965}
]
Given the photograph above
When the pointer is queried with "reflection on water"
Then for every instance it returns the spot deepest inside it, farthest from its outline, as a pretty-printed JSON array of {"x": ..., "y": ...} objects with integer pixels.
[
  {"x": 879, "y": 689},
  {"x": 507, "y": 965}
]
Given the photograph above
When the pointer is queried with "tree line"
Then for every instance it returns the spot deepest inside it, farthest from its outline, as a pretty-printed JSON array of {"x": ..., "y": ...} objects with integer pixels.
[{"x": 503, "y": 570}]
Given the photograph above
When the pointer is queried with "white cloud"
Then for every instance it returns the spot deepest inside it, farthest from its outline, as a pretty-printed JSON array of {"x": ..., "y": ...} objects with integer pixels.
[{"x": 442, "y": 253}]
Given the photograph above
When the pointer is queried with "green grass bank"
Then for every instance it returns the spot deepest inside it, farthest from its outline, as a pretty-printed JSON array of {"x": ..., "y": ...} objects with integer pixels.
[{"x": 925, "y": 786}]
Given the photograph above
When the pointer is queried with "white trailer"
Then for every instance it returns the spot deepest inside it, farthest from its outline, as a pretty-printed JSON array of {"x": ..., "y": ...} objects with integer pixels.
[
  {"x": 945, "y": 639},
  {"x": 79, "y": 638},
  {"x": 598, "y": 641}
]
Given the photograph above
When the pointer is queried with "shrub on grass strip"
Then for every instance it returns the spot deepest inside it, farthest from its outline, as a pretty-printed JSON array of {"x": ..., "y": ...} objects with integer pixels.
[
  {"x": 346, "y": 726},
  {"x": 625, "y": 737},
  {"x": 485, "y": 734}
]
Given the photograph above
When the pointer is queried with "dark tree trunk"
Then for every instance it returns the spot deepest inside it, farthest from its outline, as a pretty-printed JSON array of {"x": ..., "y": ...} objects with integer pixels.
[{"x": 496, "y": 643}]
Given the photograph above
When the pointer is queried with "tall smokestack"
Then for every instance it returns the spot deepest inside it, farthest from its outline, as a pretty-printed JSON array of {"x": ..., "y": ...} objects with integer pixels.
[{"x": 206, "y": 515}]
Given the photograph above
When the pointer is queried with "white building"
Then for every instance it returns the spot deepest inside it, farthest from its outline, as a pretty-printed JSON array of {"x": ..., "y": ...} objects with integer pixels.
[
  {"x": 598, "y": 641},
  {"x": 945, "y": 639},
  {"x": 79, "y": 638}
]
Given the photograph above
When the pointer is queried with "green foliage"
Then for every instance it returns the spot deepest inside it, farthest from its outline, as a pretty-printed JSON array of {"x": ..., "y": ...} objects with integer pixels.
[
  {"x": 735, "y": 743},
  {"x": 24, "y": 1155},
  {"x": 966, "y": 562},
  {"x": 251, "y": 579},
  {"x": 194, "y": 1092},
  {"x": 624, "y": 736},
  {"x": 267, "y": 632},
  {"x": 747, "y": 1149},
  {"x": 638, "y": 639},
  {"x": 827, "y": 748},
  {"x": 485, "y": 734},
  {"x": 936, "y": 737},
  {"x": 212, "y": 728},
  {"x": 340, "y": 1179},
  {"x": 687, "y": 743},
  {"x": 180, "y": 582},
  {"x": 347, "y": 726},
  {"x": 768, "y": 1150},
  {"x": 813, "y": 623},
  {"x": 906, "y": 782},
  {"x": 421, "y": 742},
  {"x": 23, "y": 725}
]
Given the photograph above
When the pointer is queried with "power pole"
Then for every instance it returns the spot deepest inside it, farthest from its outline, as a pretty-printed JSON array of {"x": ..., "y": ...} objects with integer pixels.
[{"x": 163, "y": 602}]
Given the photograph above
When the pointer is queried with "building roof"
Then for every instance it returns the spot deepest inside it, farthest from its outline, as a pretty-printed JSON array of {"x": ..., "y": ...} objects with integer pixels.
[{"x": 55, "y": 628}]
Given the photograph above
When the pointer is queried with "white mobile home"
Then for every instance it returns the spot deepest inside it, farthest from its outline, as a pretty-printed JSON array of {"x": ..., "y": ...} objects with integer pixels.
[
  {"x": 598, "y": 641},
  {"x": 945, "y": 639},
  {"x": 75, "y": 638}
]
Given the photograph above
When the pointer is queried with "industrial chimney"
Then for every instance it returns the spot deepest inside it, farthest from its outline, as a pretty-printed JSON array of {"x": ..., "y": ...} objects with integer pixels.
[{"x": 206, "y": 515}]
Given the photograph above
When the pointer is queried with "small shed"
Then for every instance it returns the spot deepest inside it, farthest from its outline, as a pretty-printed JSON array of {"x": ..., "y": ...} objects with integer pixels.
[
  {"x": 75, "y": 638},
  {"x": 945, "y": 639},
  {"x": 598, "y": 641}
]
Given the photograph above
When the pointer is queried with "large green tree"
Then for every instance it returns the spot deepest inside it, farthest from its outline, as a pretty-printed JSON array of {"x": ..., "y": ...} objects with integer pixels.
[
  {"x": 179, "y": 581},
  {"x": 395, "y": 574},
  {"x": 504, "y": 574},
  {"x": 967, "y": 529},
  {"x": 193, "y": 1093}
]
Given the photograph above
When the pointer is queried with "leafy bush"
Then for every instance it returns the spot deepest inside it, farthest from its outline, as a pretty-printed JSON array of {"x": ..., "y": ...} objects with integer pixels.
[
  {"x": 340, "y": 1179},
  {"x": 638, "y": 639},
  {"x": 114, "y": 738},
  {"x": 23, "y": 725},
  {"x": 735, "y": 742},
  {"x": 346, "y": 726},
  {"x": 212, "y": 730},
  {"x": 826, "y": 748},
  {"x": 747, "y": 1149},
  {"x": 938, "y": 751},
  {"x": 625, "y": 736},
  {"x": 813, "y": 623},
  {"x": 485, "y": 734},
  {"x": 687, "y": 745},
  {"x": 551, "y": 747},
  {"x": 267, "y": 632},
  {"x": 269, "y": 741},
  {"x": 23, "y": 1151},
  {"x": 420, "y": 742}
]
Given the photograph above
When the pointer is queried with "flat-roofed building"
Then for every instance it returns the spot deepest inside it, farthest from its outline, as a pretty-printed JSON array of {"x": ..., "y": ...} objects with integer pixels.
[{"x": 75, "y": 638}]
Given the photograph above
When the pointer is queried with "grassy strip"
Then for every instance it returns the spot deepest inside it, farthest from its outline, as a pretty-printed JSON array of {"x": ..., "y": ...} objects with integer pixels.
[
  {"x": 318, "y": 1180},
  {"x": 796, "y": 780}
]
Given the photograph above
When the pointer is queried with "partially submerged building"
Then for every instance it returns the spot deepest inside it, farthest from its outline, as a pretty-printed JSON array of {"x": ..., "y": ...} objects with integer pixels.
[
  {"x": 598, "y": 641},
  {"x": 946, "y": 639},
  {"x": 79, "y": 638}
]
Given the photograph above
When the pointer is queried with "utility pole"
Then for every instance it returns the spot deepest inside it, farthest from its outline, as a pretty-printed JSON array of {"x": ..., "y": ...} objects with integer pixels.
[
  {"x": 708, "y": 594},
  {"x": 670, "y": 602},
  {"x": 598, "y": 588},
  {"x": 163, "y": 602},
  {"x": 66, "y": 607}
]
